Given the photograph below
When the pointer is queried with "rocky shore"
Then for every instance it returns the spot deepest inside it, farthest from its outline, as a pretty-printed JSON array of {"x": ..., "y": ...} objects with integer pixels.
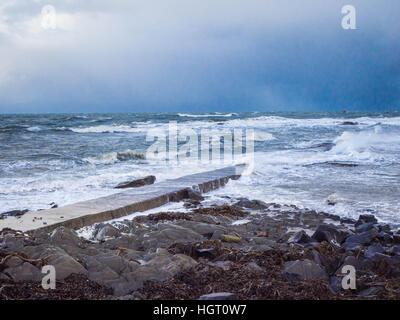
[{"x": 243, "y": 249}]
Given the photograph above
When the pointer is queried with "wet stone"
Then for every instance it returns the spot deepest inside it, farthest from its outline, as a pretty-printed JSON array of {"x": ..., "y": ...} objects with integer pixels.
[
  {"x": 301, "y": 237},
  {"x": 303, "y": 270}
]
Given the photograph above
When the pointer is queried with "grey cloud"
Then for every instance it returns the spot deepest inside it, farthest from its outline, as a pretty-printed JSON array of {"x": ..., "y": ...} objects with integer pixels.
[{"x": 200, "y": 55}]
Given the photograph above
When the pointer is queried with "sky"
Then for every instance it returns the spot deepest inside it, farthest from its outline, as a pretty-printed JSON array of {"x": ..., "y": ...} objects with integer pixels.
[{"x": 198, "y": 56}]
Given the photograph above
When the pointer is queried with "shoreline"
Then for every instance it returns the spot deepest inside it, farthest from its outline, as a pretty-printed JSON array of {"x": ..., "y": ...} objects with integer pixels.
[{"x": 252, "y": 250}]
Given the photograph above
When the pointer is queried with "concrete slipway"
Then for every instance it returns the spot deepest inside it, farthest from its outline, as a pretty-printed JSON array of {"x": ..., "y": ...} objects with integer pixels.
[{"x": 121, "y": 204}]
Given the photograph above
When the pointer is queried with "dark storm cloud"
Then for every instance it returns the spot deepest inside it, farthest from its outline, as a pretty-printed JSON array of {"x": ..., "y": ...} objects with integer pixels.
[{"x": 198, "y": 55}]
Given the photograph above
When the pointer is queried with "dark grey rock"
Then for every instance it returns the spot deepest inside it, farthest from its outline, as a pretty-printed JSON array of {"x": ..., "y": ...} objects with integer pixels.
[
  {"x": 364, "y": 218},
  {"x": 385, "y": 228},
  {"x": 108, "y": 231},
  {"x": 252, "y": 204},
  {"x": 301, "y": 237},
  {"x": 64, "y": 236},
  {"x": 350, "y": 260},
  {"x": 24, "y": 272},
  {"x": 13, "y": 262},
  {"x": 209, "y": 253},
  {"x": 65, "y": 265},
  {"x": 347, "y": 220},
  {"x": 396, "y": 238},
  {"x": 194, "y": 195},
  {"x": 218, "y": 296},
  {"x": 395, "y": 250},
  {"x": 349, "y": 123},
  {"x": 335, "y": 284},
  {"x": 373, "y": 291},
  {"x": 384, "y": 237},
  {"x": 303, "y": 270},
  {"x": 364, "y": 227},
  {"x": 329, "y": 233},
  {"x": 12, "y": 243},
  {"x": 373, "y": 249},
  {"x": 255, "y": 267},
  {"x": 13, "y": 213},
  {"x": 136, "y": 183},
  {"x": 357, "y": 241}
]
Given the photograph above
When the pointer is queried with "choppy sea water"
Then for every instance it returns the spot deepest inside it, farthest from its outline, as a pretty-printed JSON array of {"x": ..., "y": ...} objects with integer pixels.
[{"x": 300, "y": 158}]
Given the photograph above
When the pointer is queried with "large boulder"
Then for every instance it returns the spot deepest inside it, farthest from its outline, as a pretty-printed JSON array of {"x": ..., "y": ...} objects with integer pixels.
[
  {"x": 303, "y": 270},
  {"x": 13, "y": 213},
  {"x": 252, "y": 204},
  {"x": 366, "y": 218},
  {"x": 24, "y": 272},
  {"x": 108, "y": 231},
  {"x": 357, "y": 241},
  {"x": 65, "y": 265},
  {"x": 301, "y": 237},
  {"x": 136, "y": 183},
  {"x": 372, "y": 250},
  {"x": 329, "y": 233},
  {"x": 64, "y": 236}
]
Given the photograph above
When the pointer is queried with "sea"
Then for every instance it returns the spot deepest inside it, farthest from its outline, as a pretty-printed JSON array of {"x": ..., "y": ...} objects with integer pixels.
[{"x": 342, "y": 163}]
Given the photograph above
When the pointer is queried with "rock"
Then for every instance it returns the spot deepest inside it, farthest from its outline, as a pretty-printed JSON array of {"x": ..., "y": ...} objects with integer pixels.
[
  {"x": 303, "y": 270},
  {"x": 385, "y": 228},
  {"x": 194, "y": 195},
  {"x": 301, "y": 237},
  {"x": 335, "y": 284},
  {"x": 364, "y": 218},
  {"x": 24, "y": 272},
  {"x": 13, "y": 213},
  {"x": 65, "y": 265},
  {"x": 384, "y": 237},
  {"x": 396, "y": 238},
  {"x": 352, "y": 261},
  {"x": 373, "y": 291},
  {"x": 349, "y": 123},
  {"x": 322, "y": 235},
  {"x": 12, "y": 243},
  {"x": 205, "y": 229},
  {"x": 342, "y": 164},
  {"x": 209, "y": 253},
  {"x": 161, "y": 267},
  {"x": 364, "y": 227},
  {"x": 108, "y": 231},
  {"x": 64, "y": 236},
  {"x": 4, "y": 277},
  {"x": 395, "y": 250},
  {"x": 252, "y": 204},
  {"x": 229, "y": 238},
  {"x": 13, "y": 262},
  {"x": 357, "y": 241},
  {"x": 329, "y": 233},
  {"x": 255, "y": 267},
  {"x": 53, "y": 205},
  {"x": 136, "y": 183},
  {"x": 316, "y": 257},
  {"x": 114, "y": 262},
  {"x": 224, "y": 265},
  {"x": 347, "y": 220},
  {"x": 99, "y": 272},
  {"x": 371, "y": 251},
  {"x": 218, "y": 296}
]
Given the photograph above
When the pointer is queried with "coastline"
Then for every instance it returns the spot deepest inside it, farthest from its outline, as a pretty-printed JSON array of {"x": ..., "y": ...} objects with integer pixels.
[{"x": 251, "y": 250}]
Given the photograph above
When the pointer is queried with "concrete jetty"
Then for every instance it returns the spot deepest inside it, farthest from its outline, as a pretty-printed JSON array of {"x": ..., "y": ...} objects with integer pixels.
[{"x": 117, "y": 205}]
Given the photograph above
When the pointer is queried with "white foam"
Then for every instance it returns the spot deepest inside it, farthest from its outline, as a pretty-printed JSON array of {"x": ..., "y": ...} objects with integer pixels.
[
  {"x": 216, "y": 114},
  {"x": 34, "y": 129}
]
